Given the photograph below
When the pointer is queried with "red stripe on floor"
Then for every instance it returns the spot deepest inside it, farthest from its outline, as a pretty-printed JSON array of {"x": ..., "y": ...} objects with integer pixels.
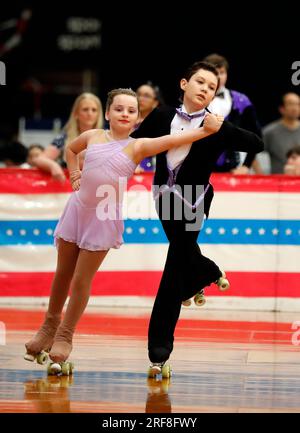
[{"x": 204, "y": 330}]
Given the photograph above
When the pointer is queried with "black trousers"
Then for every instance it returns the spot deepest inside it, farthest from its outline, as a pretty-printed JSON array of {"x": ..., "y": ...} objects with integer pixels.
[{"x": 186, "y": 272}]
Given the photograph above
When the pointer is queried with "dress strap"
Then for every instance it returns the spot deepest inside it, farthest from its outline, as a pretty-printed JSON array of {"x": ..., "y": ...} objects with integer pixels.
[{"x": 106, "y": 135}]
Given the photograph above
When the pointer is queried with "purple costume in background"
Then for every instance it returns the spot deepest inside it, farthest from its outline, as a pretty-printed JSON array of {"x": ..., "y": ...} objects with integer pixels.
[{"x": 243, "y": 115}]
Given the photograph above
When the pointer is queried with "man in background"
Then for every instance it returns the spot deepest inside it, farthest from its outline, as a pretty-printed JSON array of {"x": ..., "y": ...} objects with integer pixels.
[
  {"x": 237, "y": 108},
  {"x": 283, "y": 134}
]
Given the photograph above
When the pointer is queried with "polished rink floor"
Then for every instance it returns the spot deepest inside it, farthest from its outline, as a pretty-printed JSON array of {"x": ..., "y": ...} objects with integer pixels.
[{"x": 222, "y": 362}]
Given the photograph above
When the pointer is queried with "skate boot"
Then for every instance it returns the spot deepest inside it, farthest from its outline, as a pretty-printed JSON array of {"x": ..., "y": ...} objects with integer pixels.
[
  {"x": 222, "y": 282},
  {"x": 60, "y": 351},
  {"x": 39, "y": 346},
  {"x": 157, "y": 368}
]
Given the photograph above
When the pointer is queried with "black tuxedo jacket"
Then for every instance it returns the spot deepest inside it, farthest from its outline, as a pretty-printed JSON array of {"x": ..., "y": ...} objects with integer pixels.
[{"x": 198, "y": 165}]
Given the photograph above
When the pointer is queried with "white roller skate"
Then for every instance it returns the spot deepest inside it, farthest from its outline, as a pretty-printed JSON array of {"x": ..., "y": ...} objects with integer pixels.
[
  {"x": 157, "y": 368},
  {"x": 41, "y": 357},
  {"x": 222, "y": 282},
  {"x": 60, "y": 351},
  {"x": 199, "y": 300},
  {"x": 38, "y": 348},
  {"x": 65, "y": 368},
  {"x": 187, "y": 303}
]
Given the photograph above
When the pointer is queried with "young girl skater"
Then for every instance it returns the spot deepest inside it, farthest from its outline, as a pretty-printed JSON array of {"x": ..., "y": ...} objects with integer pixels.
[{"x": 83, "y": 237}]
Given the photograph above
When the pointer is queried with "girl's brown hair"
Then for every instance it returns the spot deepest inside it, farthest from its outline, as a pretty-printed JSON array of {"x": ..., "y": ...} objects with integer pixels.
[{"x": 120, "y": 91}]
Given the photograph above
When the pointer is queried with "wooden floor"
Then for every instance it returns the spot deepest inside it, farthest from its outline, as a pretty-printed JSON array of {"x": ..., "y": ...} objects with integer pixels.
[{"x": 222, "y": 362}]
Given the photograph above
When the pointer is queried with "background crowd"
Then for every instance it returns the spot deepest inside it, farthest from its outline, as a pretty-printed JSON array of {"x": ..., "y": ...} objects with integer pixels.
[{"x": 281, "y": 136}]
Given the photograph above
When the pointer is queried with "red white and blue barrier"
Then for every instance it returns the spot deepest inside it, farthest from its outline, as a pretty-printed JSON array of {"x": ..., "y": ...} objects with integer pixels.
[{"x": 253, "y": 233}]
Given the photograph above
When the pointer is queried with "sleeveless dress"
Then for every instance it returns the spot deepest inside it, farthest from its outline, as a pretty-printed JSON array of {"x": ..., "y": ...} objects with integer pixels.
[{"x": 92, "y": 217}]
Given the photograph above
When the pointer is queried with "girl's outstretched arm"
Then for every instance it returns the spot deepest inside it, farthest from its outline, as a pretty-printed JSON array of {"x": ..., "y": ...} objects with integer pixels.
[{"x": 151, "y": 146}]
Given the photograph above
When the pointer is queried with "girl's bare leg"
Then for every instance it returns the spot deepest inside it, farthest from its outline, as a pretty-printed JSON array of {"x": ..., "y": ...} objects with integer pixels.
[
  {"x": 88, "y": 263},
  {"x": 66, "y": 261}
]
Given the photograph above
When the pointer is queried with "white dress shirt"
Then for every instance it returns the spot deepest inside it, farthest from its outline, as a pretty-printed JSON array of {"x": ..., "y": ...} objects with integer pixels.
[
  {"x": 178, "y": 154},
  {"x": 221, "y": 106}
]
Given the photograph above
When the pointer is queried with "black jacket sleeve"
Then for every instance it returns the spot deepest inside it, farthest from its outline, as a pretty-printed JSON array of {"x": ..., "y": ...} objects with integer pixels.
[
  {"x": 250, "y": 122},
  {"x": 240, "y": 139},
  {"x": 149, "y": 128}
]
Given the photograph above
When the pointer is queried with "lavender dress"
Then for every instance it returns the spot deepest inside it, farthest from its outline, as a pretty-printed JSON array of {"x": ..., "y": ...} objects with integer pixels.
[{"x": 92, "y": 217}]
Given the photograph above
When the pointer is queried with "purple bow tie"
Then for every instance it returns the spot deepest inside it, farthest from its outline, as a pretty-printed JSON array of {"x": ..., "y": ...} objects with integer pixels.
[{"x": 187, "y": 116}]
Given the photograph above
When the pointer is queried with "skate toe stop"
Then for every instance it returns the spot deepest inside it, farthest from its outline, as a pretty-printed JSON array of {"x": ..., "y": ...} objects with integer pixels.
[{"x": 29, "y": 357}]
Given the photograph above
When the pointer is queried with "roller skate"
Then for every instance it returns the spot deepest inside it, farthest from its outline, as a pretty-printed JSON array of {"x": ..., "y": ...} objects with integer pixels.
[
  {"x": 60, "y": 351},
  {"x": 65, "y": 368},
  {"x": 157, "y": 368},
  {"x": 187, "y": 303},
  {"x": 199, "y": 300},
  {"x": 38, "y": 348},
  {"x": 222, "y": 282}
]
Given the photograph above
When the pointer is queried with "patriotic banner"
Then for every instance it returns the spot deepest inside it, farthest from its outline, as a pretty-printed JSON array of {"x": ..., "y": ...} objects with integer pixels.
[{"x": 253, "y": 233}]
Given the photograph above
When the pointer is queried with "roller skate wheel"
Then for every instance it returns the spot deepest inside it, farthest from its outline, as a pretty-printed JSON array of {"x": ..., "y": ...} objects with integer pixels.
[
  {"x": 153, "y": 371},
  {"x": 65, "y": 368},
  {"x": 187, "y": 303},
  {"x": 54, "y": 368},
  {"x": 151, "y": 374},
  {"x": 29, "y": 357},
  {"x": 72, "y": 367},
  {"x": 166, "y": 371},
  {"x": 223, "y": 284},
  {"x": 42, "y": 358},
  {"x": 199, "y": 300}
]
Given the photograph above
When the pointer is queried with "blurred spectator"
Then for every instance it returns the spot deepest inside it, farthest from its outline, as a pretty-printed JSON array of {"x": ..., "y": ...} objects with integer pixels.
[
  {"x": 149, "y": 97},
  {"x": 292, "y": 165},
  {"x": 34, "y": 150},
  {"x": 237, "y": 108},
  {"x": 14, "y": 154},
  {"x": 283, "y": 134},
  {"x": 86, "y": 113}
]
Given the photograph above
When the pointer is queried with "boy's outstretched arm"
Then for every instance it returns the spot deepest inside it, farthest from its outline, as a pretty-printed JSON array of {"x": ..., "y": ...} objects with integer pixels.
[
  {"x": 241, "y": 140},
  {"x": 151, "y": 146}
]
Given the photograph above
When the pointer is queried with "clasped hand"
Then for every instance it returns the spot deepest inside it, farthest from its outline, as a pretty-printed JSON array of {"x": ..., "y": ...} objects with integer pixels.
[{"x": 212, "y": 122}]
